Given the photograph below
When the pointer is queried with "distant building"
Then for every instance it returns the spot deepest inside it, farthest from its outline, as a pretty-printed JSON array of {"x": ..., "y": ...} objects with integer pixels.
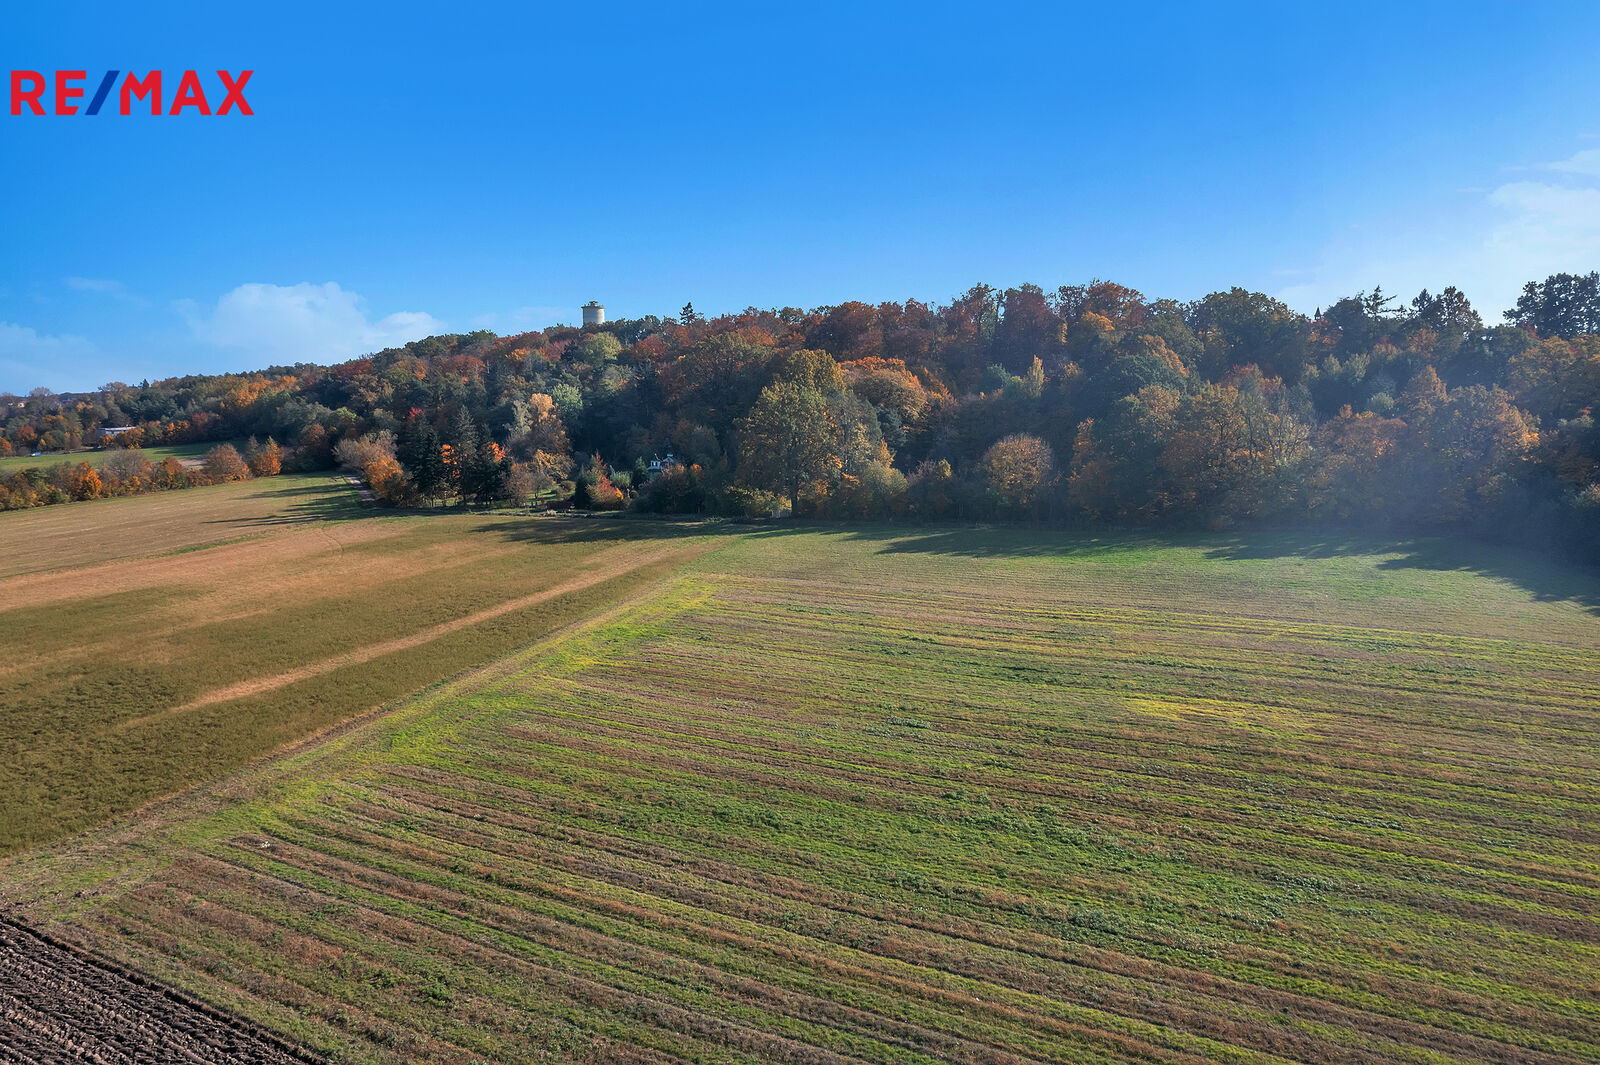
[
  {"x": 593, "y": 313},
  {"x": 659, "y": 464},
  {"x": 114, "y": 430}
]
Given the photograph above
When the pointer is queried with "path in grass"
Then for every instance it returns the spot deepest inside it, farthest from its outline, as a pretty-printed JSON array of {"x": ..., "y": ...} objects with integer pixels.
[{"x": 929, "y": 797}]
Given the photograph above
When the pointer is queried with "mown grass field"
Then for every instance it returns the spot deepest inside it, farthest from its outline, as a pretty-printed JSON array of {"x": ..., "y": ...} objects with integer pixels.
[
  {"x": 929, "y": 796},
  {"x": 192, "y": 631},
  {"x": 95, "y": 456},
  {"x": 99, "y": 530}
]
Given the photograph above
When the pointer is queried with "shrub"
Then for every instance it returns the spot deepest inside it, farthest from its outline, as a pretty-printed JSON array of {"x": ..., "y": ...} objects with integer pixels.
[{"x": 223, "y": 463}]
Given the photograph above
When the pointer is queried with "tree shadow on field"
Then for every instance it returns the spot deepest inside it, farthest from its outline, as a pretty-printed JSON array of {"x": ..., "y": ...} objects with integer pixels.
[
  {"x": 322, "y": 501},
  {"x": 1546, "y": 579},
  {"x": 982, "y": 541},
  {"x": 564, "y": 530}
]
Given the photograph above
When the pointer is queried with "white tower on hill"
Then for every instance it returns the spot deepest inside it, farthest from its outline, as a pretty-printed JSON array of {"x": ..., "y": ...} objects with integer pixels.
[{"x": 593, "y": 313}]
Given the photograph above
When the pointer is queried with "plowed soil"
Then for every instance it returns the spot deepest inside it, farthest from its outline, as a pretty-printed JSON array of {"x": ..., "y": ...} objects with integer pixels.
[{"x": 58, "y": 1004}]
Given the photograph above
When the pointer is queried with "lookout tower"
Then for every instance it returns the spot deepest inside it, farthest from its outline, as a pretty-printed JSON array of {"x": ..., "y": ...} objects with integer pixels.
[{"x": 593, "y": 313}]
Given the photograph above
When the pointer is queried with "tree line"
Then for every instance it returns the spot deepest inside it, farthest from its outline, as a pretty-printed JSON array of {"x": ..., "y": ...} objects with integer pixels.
[
  {"x": 127, "y": 471},
  {"x": 1089, "y": 403}
]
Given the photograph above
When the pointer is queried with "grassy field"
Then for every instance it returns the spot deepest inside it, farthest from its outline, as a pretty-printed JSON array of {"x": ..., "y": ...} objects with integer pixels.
[
  {"x": 94, "y": 457},
  {"x": 195, "y": 630},
  {"x": 929, "y": 796}
]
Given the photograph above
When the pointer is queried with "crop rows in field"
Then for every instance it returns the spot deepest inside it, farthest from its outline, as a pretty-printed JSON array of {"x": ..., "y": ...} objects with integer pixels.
[{"x": 819, "y": 801}]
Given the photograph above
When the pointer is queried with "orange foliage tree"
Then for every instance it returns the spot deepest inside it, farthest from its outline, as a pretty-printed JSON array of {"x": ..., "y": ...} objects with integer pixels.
[
  {"x": 223, "y": 463},
  {"x": 1018, "y": 472}
]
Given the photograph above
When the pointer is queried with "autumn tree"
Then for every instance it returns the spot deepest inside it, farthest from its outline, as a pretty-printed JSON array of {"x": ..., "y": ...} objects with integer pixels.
[
  {"x": 545, "y": 432},
  {"x": 267, "y": 460},
  {"x": 1468, "y": 445},
  {"x": 849, "y": 331},
  {"x": 519, "y": 483},
  {"x": 1240, "y": 328},
  {"x": 372, "y": 457},
  {"x": 1228, "y": 455},
  {"x": 786, "y": 441},
  {"x": 1028, "y": 329},
  {"x": 717, "y": 379},
  {"x": 1359, "y": 469},
  {"x": 1018, "y": 471},
  {"x": 887, "y": 384},
  {"x": 80, "y": 482},
  {"x": 314, "y": 448},
  {"x": 595, "y": 490},
  {"x": 931, "y": 491},
  {"x": 1557, "y": 379},
  {"x": 224, "y": 463}
]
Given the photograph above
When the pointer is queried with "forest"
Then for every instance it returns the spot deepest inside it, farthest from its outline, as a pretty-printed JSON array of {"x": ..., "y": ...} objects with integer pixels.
[{"x": 1087, "y": 404}]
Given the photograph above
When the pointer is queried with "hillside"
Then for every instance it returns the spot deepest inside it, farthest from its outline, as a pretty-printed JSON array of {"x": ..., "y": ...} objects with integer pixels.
[{"x": 1090, "y": 404}]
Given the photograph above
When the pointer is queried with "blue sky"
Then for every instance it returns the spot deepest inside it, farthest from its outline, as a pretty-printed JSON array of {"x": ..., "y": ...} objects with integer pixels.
[{"x": 415, "y": 168}]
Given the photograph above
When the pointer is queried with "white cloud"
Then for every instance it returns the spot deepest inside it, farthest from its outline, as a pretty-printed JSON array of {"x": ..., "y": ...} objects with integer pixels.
[
  {"x": 1488, "y": 245},
  {"x": 302, "y": 323},
  {"x": 105, "y": 287},
  {"x": 1585, "y": 162},
  {"x": 30, "y": 359},
  {"x": 1547, "y": 223}
]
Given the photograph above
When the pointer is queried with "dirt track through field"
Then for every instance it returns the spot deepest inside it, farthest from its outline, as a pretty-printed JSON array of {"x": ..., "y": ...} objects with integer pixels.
[
  {"x": 61, "y": 1005},
  {"x": 613, "y": 563}
]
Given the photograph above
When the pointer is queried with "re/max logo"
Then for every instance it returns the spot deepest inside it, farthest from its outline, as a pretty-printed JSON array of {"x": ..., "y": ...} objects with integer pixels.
[{"x": 28, "y": 90}]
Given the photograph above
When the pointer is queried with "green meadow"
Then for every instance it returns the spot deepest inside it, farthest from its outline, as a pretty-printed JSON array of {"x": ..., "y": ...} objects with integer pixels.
[
  {"x": 10, "y": 464},
  {"x": 917, "y": 796}
]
